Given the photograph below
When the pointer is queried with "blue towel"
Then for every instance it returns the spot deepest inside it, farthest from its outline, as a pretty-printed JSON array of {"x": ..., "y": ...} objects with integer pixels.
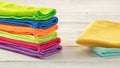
[
  {"x": 104, "y": 52},
  {"x": 31, "y": 23}
]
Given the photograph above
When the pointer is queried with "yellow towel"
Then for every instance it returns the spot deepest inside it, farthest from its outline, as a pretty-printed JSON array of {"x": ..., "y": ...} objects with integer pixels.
[{"x": 101, "y": 33}]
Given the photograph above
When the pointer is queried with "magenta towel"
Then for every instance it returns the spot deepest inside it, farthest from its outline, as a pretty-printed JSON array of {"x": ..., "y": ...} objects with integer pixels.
[
  {"x": 39, "y": 47},
  {"x": 38, "y": 54}
]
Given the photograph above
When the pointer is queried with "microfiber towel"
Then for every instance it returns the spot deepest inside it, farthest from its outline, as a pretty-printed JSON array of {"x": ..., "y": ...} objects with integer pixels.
[
  {"x": 27, "y": 30},
  {"x": 37, "y": 47},
  {"x": 32, "y": 53},
  {"x": 31, "y": 23},
  {"x": 101, "y": 33},
  {"x": 28, "y": 38},
  {"x": 105, "y": 52},
  {"x": 15, "y": 11}
]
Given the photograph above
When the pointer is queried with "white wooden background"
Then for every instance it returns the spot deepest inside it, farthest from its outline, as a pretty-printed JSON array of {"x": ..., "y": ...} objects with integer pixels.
[{"x": 74, "y": 15}]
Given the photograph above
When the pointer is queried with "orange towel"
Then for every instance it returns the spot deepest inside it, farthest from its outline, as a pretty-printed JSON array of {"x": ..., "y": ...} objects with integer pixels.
[{"x": 27, "y": 30}]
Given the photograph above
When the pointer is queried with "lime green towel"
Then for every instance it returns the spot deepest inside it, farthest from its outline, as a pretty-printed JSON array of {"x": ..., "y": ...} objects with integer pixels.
[
  {"x": 28, "y": 38},
  {"x": 15, "y": 11}
]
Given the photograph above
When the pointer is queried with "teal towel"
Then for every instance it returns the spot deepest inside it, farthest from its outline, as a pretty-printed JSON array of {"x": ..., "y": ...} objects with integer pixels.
[{"x": 105, "y": 52}]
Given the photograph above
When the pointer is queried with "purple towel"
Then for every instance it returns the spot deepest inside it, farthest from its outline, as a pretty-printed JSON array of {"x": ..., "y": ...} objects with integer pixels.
[{"x": 33, "y": 53}]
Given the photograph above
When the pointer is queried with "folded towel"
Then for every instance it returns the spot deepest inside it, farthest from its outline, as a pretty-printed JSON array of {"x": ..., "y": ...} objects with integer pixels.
[
  {"x": 27, "y": 30},
  {"x": 37, "y": 47},
  {"x": 32, "y": 53},
  {"x": 104, "y": 52},
  {"x": 15, "y": 11},
  {"x": 31, "y": 23},
  {"x": 101, "y": 33},
  {"x": 28, "y": 38}
]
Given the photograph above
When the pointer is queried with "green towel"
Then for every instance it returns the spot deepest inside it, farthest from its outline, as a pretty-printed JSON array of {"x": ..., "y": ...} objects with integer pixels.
[
  {"x": 28, "y": 38},
  {"x": 15, "y": 11}
]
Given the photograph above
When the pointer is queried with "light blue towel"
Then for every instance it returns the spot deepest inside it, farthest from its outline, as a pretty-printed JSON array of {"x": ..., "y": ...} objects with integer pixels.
[
  {"x": 104, "y": 52},
  {"x": 31, "y": 23}
]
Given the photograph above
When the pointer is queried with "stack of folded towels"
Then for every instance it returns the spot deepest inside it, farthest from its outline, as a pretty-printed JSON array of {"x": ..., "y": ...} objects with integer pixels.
[
  {"x": 29, "y": 30},
  {"x": 103, "y": 38}
]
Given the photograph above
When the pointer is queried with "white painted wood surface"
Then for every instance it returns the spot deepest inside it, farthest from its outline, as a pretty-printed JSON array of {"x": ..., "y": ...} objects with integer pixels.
[
  {"x": 74, "y": 16},
  {"x": 79, "y": 10}
]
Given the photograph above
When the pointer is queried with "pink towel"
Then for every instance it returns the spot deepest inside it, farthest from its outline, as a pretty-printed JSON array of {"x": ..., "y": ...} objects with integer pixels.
[{"x": 38, "y": 47}]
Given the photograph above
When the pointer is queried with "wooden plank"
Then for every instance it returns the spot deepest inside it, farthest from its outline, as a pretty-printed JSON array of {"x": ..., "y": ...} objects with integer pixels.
[
  {"x": 80, "y": 11},
  {"x": 79, "y": 54},
  {"x": 70, "y": 57},
  {"x": 60, "y": 64}
]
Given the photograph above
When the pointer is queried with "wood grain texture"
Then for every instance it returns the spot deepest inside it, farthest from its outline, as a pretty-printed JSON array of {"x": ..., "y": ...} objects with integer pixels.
[
  {"x": 79, "y": 10},
  {"x": 56, "y": 64},
  {"x": 79, "y": 54},
  {"x": 71, "y": 57}
]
